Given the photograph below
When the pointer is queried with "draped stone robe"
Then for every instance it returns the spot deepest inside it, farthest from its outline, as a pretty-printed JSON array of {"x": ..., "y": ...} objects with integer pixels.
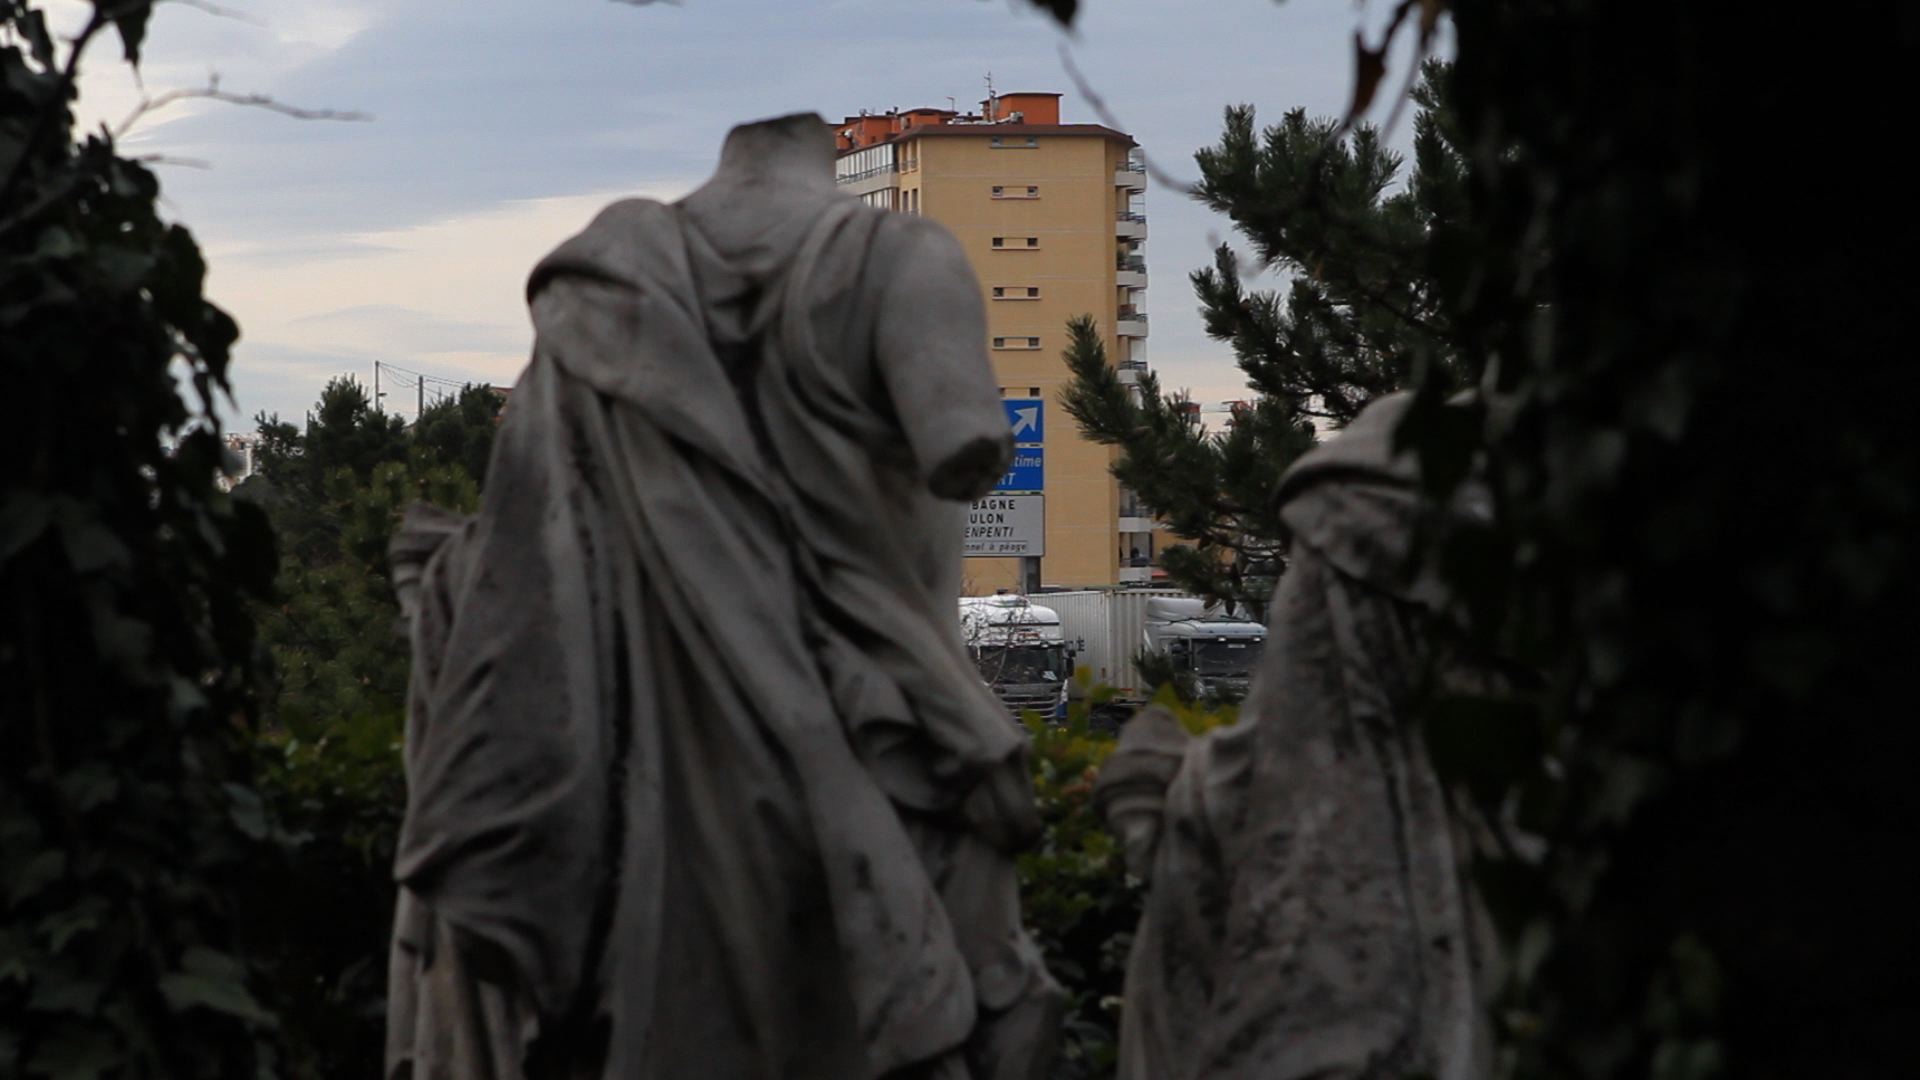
[
  {"x": 700, "y": 780},
  {"x": 1309, "y": 914}
]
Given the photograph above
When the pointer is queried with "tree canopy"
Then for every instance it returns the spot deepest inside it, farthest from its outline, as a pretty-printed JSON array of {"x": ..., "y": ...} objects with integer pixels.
[
  {"x": 1338, "y": 215},
  {"x": 330, "y": 746}
]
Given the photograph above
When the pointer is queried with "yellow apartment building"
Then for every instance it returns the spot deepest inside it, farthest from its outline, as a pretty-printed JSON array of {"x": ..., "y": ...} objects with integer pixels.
[{"x": 1050, "y": 216}]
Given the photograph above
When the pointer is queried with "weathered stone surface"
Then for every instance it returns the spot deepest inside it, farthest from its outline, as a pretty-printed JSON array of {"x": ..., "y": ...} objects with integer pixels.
[
  {"x": 701, "y": 782},
  {"x": 1309, "y": 914}
]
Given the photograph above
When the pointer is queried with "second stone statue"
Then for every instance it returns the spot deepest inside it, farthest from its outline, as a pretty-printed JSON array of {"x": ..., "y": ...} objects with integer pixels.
[
  {"x": 700, "y": 780},
  {"x": 1310, "y": 915}
]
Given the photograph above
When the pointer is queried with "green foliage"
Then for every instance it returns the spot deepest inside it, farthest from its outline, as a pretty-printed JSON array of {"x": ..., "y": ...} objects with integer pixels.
[
  {"x": 1074, "y": 891},
  {"x": 1228, "y": 511},
  {"x": 1360, "y": 317},
  {"x": 1696, "y": 419},
  {"x": 459, "y": 430},
  {"x": 330, "y": 752},
  {"x": 128, "y": 662},
  {"x": 294, "y": 466},
  {"x": 1713, "y": 565},
  {"x": 1075, "y": 894}
]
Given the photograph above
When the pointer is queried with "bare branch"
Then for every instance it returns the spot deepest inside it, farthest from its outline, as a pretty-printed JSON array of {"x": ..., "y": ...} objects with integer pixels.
[
  {"x": 168, "y": 159},
  {"x": 1406, "y": 92},
  {"x": 1099, "y": 106},
  {"x": 212, "y": 92},
  {"x": 217, "y": 11}
]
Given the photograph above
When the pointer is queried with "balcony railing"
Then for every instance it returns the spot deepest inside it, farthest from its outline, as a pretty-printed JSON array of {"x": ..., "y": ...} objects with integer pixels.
[
  {"x": 1132, "y": 365},
  {"x": 852, "y": 178},
  {"x": 1134, "y": 166},
  {"x": 1131, "y": 215},
  {"x": 1135, "y": 263}
]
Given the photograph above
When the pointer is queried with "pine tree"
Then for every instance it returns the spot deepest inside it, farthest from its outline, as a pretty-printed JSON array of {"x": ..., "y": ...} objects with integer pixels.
[{"x": 1359, "y": 317}]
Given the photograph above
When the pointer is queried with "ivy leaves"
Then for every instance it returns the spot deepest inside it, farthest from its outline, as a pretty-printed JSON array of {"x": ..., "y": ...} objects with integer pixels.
[{"x": 128, "y": 663}]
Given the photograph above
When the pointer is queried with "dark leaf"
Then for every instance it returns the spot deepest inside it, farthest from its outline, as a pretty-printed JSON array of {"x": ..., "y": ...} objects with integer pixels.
[
  {"x": 1369, "y": 67},
  {"x": 130, "y": 18},
  {"x": 213, "y": 980},
  {"x": 33, "y": 26}
]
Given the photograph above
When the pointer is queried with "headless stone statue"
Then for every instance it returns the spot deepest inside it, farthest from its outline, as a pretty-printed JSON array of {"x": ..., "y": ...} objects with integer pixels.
[
  {"x": 700, "y": 780},
  {"x": 1308, "y": 914}
]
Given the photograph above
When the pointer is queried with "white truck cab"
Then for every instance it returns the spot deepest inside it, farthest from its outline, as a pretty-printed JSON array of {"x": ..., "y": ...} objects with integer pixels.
[
  {"x": 1020, "y": 651},
  {"x": 1217, "y": 651}
]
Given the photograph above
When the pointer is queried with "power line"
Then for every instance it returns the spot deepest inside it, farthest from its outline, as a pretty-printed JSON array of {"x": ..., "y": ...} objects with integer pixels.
[{"x": 443, "y": 387}]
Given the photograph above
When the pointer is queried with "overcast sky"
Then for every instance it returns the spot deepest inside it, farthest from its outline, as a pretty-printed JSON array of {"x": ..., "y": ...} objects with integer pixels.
[{"x": 500, "y": 126}]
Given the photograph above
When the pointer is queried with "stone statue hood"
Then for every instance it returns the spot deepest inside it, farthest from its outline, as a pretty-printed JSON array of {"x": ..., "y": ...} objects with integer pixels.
[{"x": 773, "y": 177}]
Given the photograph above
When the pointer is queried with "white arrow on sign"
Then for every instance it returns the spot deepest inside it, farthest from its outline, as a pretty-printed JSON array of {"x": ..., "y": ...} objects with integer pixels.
[{"x": 1026, "y": 419}]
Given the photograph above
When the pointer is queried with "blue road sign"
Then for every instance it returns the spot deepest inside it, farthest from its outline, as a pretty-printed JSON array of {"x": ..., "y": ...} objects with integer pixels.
[
  {"x": 1027, "y": 417},
  {"x": 1027, "y": 474}
]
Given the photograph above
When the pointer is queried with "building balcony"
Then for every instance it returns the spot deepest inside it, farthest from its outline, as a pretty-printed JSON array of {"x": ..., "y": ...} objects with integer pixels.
[
  {"x": 1131, "y": 225},
  {"x": 870, "y": 181},
  {"x": 1133, "y": 326},
  {"x": 1129, "y": 371},
  {"x": 1138, "y": 521},
  {"x": 1134, "y": 263},
  {"x": 1131, "y": 279},
  {"x": 1132, "y": 176},
  {"x": 855, "y": 177},
  {"x": 1136, "y": 575}
]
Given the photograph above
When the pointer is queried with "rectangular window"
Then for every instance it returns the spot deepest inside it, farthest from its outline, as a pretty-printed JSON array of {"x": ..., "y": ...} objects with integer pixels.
[
  {"x": 1016, "y": 292},
  {"x": 1016, "y": 343},
  {"x": 1017, "y": 191},
  {"x": 1013, "y": 142}
]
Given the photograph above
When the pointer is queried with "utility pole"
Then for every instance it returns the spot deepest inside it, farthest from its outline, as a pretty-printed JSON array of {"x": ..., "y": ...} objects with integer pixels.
[
  {"x": 420, "y": 406},
  {"x": 377, "y": 395}
]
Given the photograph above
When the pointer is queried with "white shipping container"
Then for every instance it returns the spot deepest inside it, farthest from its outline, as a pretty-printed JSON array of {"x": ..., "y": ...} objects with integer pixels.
[{"x": 1108, "y": 626}]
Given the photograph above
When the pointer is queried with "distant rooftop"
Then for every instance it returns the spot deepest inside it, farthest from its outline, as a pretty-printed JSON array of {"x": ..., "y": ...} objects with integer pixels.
[{"x": 1013, "y": 114}]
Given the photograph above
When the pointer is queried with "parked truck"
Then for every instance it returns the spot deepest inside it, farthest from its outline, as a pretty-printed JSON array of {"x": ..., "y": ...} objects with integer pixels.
[
  {"x": 1110, "y": 628},
  {"x": 1216, "y": 652},
  {"x": 1019, "y": 649}
]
